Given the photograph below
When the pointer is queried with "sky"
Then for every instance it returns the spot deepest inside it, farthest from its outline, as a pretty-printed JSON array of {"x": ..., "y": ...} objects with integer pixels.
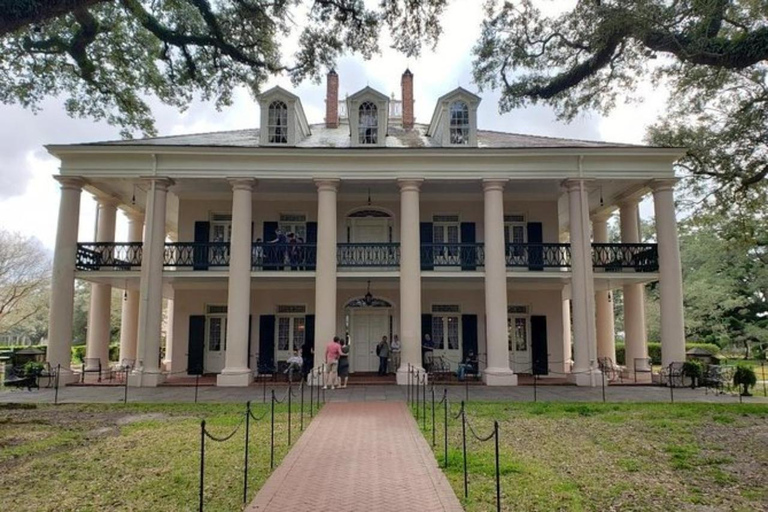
[{"x": 29, "y": 196}]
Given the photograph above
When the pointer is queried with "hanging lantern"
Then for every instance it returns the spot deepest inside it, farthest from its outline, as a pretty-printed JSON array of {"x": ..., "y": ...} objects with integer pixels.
[{"x": 368, "y": 297}]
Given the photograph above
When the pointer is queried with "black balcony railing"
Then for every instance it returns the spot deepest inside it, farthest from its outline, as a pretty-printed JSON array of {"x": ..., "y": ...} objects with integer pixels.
[
  {"x": 196, "y": 255},
  {"x": 108, "y": 256},
  {"x": 283, "y": 256},
  {"x": 538, "y": 256},
  {"x": 368, "y": 254},
  {"x": 465, "y": 256},
  {"x": 618, "y": 257}
]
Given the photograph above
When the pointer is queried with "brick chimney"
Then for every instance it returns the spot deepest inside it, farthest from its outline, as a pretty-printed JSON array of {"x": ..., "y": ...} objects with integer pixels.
[
  {"x": 332, "y": 100},
  {"x": 407, "y": 91}
]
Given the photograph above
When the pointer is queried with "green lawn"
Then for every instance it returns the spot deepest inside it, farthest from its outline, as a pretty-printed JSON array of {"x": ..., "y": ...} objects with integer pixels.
[
  {"x": 134, "y": 457},
  {"x": 612, "y": 457}
]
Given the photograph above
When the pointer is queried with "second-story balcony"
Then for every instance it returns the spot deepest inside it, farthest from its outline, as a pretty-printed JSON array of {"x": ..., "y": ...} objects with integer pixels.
[{"x": 267, "y": 256}]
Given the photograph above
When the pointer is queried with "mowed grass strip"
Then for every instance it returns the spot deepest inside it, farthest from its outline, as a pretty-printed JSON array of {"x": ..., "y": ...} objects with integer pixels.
[
  {"x": 560, "y": 456},
  {"x": 134, "y": 457}
]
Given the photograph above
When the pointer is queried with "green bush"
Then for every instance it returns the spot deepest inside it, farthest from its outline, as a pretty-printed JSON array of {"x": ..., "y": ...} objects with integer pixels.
[
  {"x": 78, "y": 353},
  {"x": 693, "y": 370},
  {"x": 745, "y": 377},
  {"x": 33, "y": 368},
  {"x": 654, "y": 351}
]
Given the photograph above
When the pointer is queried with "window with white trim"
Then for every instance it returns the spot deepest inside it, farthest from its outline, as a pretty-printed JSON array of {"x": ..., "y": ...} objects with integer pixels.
[
  {"x": 216, "y": 328},
  {"x": 446, "y": 235},
  {"x": 517, "y": 328},
  {"x": 368, "y": 123},
  {"x": 291, "y": 330},
  {"x": 295, "y": 223},
  {"x": 277, "y": 122},
  {"x": 221, "y": 227},
  {"x": 459, "y": 124},
  {"x": 514, "y": 229},
  {"x": 446, "y": 327}
]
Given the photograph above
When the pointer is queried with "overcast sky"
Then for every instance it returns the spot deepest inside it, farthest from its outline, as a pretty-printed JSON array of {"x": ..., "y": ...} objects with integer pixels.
[{"x": 29, "y": 196}]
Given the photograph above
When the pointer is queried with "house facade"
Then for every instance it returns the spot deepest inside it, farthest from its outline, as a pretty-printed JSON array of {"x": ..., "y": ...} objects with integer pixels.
[{"x": 244, "y": 245}]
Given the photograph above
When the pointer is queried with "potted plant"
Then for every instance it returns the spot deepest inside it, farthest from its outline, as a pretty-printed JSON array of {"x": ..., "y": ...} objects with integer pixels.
[
  {"x": 693, "y": 370},
  {"x": 745, "y": 377},
  {"x": 33, "y": 369}
]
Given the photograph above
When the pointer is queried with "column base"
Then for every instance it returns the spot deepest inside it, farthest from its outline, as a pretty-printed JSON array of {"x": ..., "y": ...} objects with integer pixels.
[
  {"x": 499, "y": 377},
  {"x": 140, "y": 379},
  {"x": 67, "y": 377},
  {"x": 586, "y": 378},
  {"x": 236, "y": 377},
  {"x": 403, "y": 376}
]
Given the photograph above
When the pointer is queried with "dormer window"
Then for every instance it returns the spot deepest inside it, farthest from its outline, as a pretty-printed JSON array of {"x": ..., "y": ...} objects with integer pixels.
[
  {"x": 459, "y": 129},
  {"x": 368, "y": 123},
  {"x": 277, "y": 124}
]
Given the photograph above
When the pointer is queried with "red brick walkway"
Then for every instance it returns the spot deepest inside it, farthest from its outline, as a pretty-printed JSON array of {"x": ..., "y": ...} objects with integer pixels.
[{"x": 364, "y": 456}]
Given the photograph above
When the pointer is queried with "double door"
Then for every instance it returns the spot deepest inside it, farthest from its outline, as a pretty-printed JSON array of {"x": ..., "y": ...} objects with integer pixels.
[{"x": 367, "y": 329}]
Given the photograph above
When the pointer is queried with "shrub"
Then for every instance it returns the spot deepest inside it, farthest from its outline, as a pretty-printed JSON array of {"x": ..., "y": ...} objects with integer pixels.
[
  {"x": 693, "y": 370},
  {"x": 78, "y": 354},
  {"x": 745, "y": 377},
  {"x": 33, "y": 368},
  {"x": 654, "y": 351}
]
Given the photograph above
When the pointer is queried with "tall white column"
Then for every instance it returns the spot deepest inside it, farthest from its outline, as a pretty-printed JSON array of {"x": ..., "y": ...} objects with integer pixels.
[
  {"x": 63, "y": 276},
  {"x": 129, "y": 317},
  {"x": 100, "y": 311},
  {"x": 236, "y": 371},
  {"x": 635, "y": 337},
  {"x": 498, "y": 372},
  {"x": 582, "y": 287},
  {"x": 670, "y": 274},
  {"x": 410, "y": 278},
  {"x": 567, "y": 352},
  {"x": 606, "y": 337},
  {"x": 325, "y": 273},
  {"x": 148, "y": 372}
]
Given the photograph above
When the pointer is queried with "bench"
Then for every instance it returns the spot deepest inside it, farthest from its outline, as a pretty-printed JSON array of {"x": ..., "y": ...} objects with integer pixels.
[{"x": 18, "y": 378}]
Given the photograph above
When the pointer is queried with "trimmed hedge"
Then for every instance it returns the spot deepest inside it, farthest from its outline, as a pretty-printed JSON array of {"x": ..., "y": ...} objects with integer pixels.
[
  {"x": 78, "y": 353},
  {"x": 654, "y": 351}
]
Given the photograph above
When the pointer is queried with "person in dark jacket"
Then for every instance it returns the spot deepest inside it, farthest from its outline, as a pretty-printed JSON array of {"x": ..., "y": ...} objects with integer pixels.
[{"x": 382, "y": 350}]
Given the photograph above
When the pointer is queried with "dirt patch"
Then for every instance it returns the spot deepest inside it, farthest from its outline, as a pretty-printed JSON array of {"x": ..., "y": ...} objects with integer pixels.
[{"x": 137, "y": 418}]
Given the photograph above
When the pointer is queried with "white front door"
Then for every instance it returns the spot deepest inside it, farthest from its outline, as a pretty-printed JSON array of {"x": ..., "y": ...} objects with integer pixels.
[
  {"x": 215, "y": 343},
  {"x": 370, "y": 230},
  {"x": 367, "y": 329},
  {"x": 519, "y": 344}
]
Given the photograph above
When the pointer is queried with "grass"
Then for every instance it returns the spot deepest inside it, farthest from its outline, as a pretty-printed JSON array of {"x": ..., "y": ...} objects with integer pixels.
[
  {"x": 561, "y": 456},
  {"x": 135, "y": 457}
]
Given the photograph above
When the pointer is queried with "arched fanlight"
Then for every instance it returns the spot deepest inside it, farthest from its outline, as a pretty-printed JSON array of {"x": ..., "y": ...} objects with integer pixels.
[{"x": 368, "y": 297}]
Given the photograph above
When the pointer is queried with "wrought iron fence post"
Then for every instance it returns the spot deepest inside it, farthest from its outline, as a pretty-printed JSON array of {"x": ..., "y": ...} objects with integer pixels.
[
  {"x": 272, "y": 435},
  {"x": 301, "y": 408},
  {"x": 125, "y": 384},
  {"x": 312, "y": 397},
  {"x": 247, "y": 439},
  {"x": 535, "y": 397},
  {"x": 464, "y": 447},
  {"x": 466, "y": 389},
  {"x": 408, "y": 386},
  {"x": 290, "y": 392},
  {"x": 671, "y": 385},
  {"x": 498, "y": 473},
  {"x": 762, "y": 370},
  {"x": 445, "y": 427},
  {"x": 56, "y": 385},
  {"x": 324, "y": 385},
  {"x": 432, "y": 390},
  {"x": 603, "y": 375},
  {"x": 197, "y": 384},
  {"x": 416, "y": 389},
  {"x": 424, "y": 402},
  {"x": 202, "y": 462}
]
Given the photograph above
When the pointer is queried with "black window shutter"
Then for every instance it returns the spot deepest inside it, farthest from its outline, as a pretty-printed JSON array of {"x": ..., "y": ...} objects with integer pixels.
[
  {"x": 310, "y": 252},
  {"x": 270, "y": 254},
  {"x": 535, "y": 249},
  {"x": 427, "y": 253},
  {"x": 266, "y": 344},
  {"x": 468, "y": 254},
  {"x": 468, "y": 335},
  {"x": 539, "y": 345},
  {"x": 196, "y": 345},
  {"x": 426, "y": 326},
  {"x": 309, "y": 340},
  {"x": 200, "y": 252}
]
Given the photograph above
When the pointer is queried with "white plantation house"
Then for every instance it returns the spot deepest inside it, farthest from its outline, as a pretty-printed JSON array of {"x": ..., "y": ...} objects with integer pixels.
[{"x": 366, "y": 225}]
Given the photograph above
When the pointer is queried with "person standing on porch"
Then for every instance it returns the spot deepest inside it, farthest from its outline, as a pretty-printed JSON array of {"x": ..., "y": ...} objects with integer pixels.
[
  {"x": 344, "y": 365},
  {"x": 382, "y": 350},
  {"x": 426, "y": 352},
  {"x": 394, "y": 354},
  {"x": 332, "y": 354}
]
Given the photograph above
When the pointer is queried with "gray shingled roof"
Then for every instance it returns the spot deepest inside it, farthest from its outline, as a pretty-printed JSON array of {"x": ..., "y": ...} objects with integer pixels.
[{"x": 323, "y": 137}]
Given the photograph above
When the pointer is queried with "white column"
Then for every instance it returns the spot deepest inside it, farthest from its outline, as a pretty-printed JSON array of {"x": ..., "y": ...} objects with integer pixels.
[
  {"x": 325, "y": 271},
  {"x": 582, "y": 287},
  {"x": 100, "y": 311},
  {"x": 168, "y": 359},
  {"x": 236, "y": 371},
  {"x": 410, "y": 278},
  {"x": 567, "y": 353},
  {"x": 63, "y": 276},
  {"x": 670, "y": 274},
  {"x": 498, "y": 372},
  {"x": 129, "y": 317},
  {"x": 635, "y": 338},
  {"x": 148, "y": 372},
  {"x": 605, "y": 324}
]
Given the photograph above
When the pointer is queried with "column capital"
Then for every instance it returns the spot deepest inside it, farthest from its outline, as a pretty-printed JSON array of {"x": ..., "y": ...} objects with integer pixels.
[
  {"x": 572, "y": 184},
  {"x": 409, "y": 184},
  {"x": 327, "y": 184},
  {"x": 247, "y": 184},
  {"x": 663, "y": 184},
  {"x": 105, "y": 200},
  {"x": 602, "y": 216},
  {"x": 70, "y": 182},
  {"x": 629, "y": 202},
  {"x": 494, "y": 184},
  {"x": 159, "y": 182}
]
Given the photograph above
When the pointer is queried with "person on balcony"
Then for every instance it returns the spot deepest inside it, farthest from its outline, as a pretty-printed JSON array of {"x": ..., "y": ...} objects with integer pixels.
[
  {"x": 278, "y": 252},
  {"x": 258, "y": 254},
  {"x": 382, "y": 350},
  {"x": 293, "y": 251}
]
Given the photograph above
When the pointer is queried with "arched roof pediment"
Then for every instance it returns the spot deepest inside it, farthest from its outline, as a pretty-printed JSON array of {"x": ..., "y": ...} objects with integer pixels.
[{"x": 368, "y": 93}]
